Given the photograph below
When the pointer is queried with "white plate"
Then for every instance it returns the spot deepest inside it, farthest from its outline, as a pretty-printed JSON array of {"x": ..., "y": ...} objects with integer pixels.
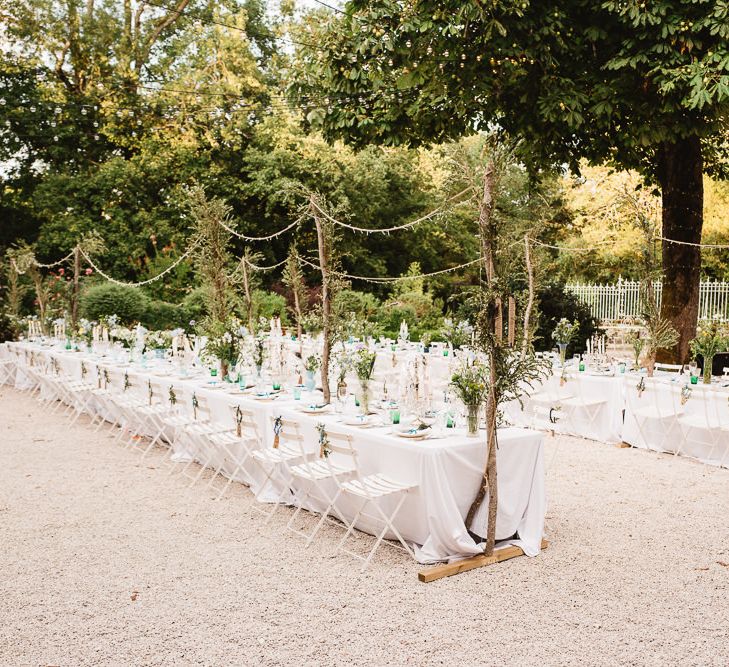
[
  {"x": 358, "y": 421},
  {"x": 417, "y": 435},
  {"x": 314, "y": 410}
]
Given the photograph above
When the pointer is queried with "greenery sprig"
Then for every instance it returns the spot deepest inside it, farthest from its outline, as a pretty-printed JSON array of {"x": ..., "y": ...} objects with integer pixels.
[
  {"x": 363, "y": 362},
  {"x": 324, "y": 445},
  {"x": 470, "y": 383}
]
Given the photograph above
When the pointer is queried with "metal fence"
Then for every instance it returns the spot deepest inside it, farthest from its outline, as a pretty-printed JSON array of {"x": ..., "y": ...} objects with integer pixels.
[{"x": 621, "y": 301}]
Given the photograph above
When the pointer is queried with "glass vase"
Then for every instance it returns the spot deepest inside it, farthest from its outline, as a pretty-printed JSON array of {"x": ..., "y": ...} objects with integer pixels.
[
  {"x": 562, "y": 353},
  {"x": 310, "y": 382},
  {"x": 708, "y": 364},
  {"x": 364, "y": 397},
  {"x": 341, "y": 397},
  {"x": 472, "y": 418}
]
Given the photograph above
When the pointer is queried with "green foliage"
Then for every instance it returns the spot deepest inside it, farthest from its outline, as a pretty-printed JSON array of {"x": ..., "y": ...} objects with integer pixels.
[
  {"x": 195, "y": 305},
  {"x": 545, "y": 71},
  {"x": 711, "y": 339},
  {"x": 104, "y": 299},
  {"x": 267, "y": 304},
  {"x": 661, "y": 333},
  {"x": 470, "y": 383},
  {"x": 556, "y": 304},
  {"x": 164, "y": 315},
  {"x": 565, "y": 331}
]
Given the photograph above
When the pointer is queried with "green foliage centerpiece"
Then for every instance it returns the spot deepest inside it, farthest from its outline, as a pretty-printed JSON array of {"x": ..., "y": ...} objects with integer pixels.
[
  {"x": 711, "y": 338},
  {"x": 470, "y": 383},
  {"x": 223, "y": 344},
  {"x": 363, "y": 362},
  {"x": 637, "y": 342},
  {"x": 563, "y": 334}
]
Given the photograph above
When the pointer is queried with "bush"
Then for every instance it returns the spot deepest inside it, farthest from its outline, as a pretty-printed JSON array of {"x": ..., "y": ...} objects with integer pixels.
[
  {"x": 554, "y": 304},
  {"x": 391, "y": 316},
  {"x": 105, "y": 299},
  {"x": 363, "y": 304},
  {"x": 268, "y": 304},
  {"x": 164, "y": 315},
  {"x": 195, "y": 305}
]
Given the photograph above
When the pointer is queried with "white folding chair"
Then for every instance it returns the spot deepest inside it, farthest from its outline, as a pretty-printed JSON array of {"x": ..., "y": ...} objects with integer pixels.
[
  {"x": 230, "y": 450},
  {"x": 546, "y": 404},
  {"x": 654, "y": 411},
  {"x": 190, "y": 431},
  {"x": 7, "y": 371},
  {"x": 160, "y": 408},
  {"x": 276, "y": 462},
  {"x": 377, "y": 491},
  {"x": 317, "y": 478},
  {"x": 581, "y": 412},
  {"x": 700, "y": 427}
]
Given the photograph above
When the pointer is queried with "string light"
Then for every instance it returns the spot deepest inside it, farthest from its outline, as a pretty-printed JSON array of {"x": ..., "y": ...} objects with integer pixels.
[
  {"x": 374, "y": 279},
  {"x": 387, "y": 230},
  {"x": 141, "y": 283},
  {"x": 260, "y": 238}
]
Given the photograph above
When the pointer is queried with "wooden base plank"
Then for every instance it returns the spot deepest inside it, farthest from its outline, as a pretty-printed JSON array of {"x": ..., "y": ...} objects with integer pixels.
[{"x": 449, "y": 569}]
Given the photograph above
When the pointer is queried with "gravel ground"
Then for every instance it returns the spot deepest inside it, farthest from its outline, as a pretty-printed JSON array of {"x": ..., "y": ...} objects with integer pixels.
[{"x": 105, "y": 559}]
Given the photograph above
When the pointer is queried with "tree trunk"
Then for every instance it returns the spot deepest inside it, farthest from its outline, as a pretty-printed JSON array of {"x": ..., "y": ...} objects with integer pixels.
[
  {"x": 681, "y": 178},
  {"x": 489, "y": 478},
  {"x": 76, "y": 284},
  {"x": 326, "y": 307},
  {"x": 247, "y": 295},
  {"x": 297, "y": 310}
]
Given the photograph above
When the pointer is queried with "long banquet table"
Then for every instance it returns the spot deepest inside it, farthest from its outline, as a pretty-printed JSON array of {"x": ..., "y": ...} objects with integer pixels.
[{"x": 446, "y": 472}]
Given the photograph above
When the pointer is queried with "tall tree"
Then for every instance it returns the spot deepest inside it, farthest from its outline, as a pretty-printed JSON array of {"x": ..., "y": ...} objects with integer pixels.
[{"x": 641, "y": 85}]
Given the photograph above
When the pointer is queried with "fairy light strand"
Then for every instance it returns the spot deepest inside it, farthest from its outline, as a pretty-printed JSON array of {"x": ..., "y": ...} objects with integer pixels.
[
  {"x": 141, "y": 283},
  {"x": 387, "y": 230},
  {"x": 259, "y": 238},
  {"x": 374, "y": 279}
]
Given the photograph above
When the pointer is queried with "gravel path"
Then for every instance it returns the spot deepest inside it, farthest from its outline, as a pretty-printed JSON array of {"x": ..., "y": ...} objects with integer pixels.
[{"x": 107, "y": 560}]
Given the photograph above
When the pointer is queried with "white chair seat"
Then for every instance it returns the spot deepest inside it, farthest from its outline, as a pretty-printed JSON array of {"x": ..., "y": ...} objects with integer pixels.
[
  {"x": 80, "y": 386},
  {"x": 374, "y": 486},
  {"x": 225, "y": 438},
  {"x": 550, "y": 400},
  {"x": 151, "y": 409},
  {"x": 698, "y": 421},
  {"x": 177, "y": 421},
  {"x": 654, "y": 412},
  {"x": 319, "y": 470},
  {"x": 204, "y": 428},
  {"x": 278, "y": 455},
  {"x": 582, "y": 402}
]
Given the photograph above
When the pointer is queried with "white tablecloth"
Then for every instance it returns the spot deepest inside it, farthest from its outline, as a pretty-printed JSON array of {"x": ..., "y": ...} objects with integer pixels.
[
  {"x": 446, "y": 471},
  {"x": 669, "y": 415},
  {"x": 585, "y": 405}
]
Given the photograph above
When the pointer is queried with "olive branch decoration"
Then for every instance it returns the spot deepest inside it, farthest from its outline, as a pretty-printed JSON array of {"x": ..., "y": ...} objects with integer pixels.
[
  {"x": 324, "y": 445},
  {"x": 685, "y": 394},
  {"x": 172, "y": 396},
  {"x": 277, "y": 428},
  {"x": 150, "y": 391},
  {"x": 54, "y": 364},
  {"x": 127, "y": 382},
  {"x": 641, "y": 386},
  {"x": 107, "y": 381},
  {"x": 238, "y": 420},
  {"x": 195, "y": 405},
  {"x": 84, "y": 370}
]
